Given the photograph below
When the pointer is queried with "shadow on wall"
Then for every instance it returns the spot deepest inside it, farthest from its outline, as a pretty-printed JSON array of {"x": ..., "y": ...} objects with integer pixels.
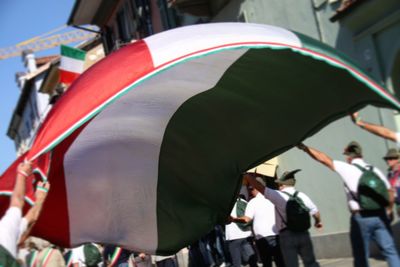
[
  {"x": 395, "y": 74},
  {"x": 232, "y": 10}
]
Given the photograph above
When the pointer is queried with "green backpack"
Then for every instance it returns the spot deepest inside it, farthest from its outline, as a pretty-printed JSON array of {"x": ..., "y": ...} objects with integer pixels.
[
  {"x": 6, "y": 259},
  {"x": 92, "y": 255},
  {"x": 297, "y": 214},
  {"x": 372, "y": 191},
  {"x": 240, "y": 210}
]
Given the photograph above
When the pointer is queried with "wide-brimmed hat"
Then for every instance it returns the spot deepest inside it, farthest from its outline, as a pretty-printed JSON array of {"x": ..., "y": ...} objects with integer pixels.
[
  {"x": 392, "y": 153},
  {"x": 288, "y": 178},
  {"x": 353, "y": 149}
]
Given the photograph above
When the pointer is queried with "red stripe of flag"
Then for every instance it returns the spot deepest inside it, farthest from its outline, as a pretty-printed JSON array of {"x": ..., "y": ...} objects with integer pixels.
[{"x": 68, "y": 77}]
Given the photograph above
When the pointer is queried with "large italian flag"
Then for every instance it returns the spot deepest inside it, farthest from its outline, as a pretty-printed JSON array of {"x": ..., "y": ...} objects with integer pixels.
[{"x": 149, "y": 144}]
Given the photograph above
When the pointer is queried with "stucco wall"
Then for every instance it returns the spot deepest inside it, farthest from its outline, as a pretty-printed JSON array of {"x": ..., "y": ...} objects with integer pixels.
[{"x": 374, "y": 50}]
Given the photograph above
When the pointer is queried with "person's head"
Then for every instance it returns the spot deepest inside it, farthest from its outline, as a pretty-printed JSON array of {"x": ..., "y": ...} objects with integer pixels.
[
  {"x": 352, "y": 151},
  {"x": 392, "y": 157},
  {"x": 253, "y": 191},
  {"x": 287, "y": 179}
]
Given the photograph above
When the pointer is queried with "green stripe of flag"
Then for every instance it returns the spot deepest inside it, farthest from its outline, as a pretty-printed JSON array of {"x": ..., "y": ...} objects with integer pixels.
[
  {"x": 276, "y": 96},
  {"x": 73, "y": 52}
]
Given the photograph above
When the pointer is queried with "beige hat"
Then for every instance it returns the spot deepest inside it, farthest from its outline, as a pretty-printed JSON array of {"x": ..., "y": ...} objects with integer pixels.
[{"x": 392, "y": 153}]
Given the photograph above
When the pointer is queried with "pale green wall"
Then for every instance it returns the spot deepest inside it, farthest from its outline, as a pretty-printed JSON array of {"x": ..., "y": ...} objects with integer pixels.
[{"x": 370, "y": 39}]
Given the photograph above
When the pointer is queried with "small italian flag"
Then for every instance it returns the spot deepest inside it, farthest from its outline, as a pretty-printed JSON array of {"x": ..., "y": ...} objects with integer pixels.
[{"x": 72, "y": 62}]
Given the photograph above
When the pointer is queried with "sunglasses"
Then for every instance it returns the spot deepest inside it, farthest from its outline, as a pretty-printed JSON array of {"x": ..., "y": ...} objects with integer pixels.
[{"x": 391, "y": 158}]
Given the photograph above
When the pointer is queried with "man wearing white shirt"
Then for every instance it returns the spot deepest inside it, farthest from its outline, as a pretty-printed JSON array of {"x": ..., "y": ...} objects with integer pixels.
[
  {"x": 365, "y": 224},
  {"x": 239, "y": 236},
  {"x": 292, "y": 243},
  {"x": 261, "y": 212}
]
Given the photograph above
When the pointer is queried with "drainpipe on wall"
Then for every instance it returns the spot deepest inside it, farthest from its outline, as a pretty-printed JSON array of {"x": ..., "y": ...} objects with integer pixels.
[{"x": 316, "y": 4}]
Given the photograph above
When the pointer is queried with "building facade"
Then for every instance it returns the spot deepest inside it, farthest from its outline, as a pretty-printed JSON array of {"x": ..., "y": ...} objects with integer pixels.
[{"x": 32, "y": 106}]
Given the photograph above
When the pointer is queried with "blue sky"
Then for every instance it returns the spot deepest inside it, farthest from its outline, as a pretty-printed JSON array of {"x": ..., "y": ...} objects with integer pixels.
[{"x": 21, "y": 20}]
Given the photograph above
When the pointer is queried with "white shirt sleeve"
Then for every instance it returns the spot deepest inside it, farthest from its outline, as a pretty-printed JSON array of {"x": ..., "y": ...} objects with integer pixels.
[
  {"x": 9, "y": 229},
  {"x": 78, "y": 255},
  {"x": 22, "y": 227},
  {"x": 398, "y": 139},
  {"x": 309, "y": 203},
  {"x": 250, "y": 209}
]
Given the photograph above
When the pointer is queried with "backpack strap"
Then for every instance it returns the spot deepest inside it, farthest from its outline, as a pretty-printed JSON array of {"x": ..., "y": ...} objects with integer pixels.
[
  {"x": 359, "y": 167},
  {"x": 277, "y": 210},
  {"x": 355, "y": 198},
  {"x": 286, "y": 193},
  {"x": 368, "y": 167}
]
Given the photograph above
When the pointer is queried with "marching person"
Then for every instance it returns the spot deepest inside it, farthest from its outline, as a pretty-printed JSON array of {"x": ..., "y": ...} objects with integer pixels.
[
  {"x": 261, "y": 212},
  {"x": 368, "y": 220},
  {"x": 238, "y": 236},
  {"x": 14, "y": 228},
  {"x": 392, "y": 160},
  {"x": 293, "y": 229}
]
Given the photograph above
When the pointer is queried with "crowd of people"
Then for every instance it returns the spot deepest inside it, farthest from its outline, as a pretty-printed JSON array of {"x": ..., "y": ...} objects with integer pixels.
[{"x": 268, "y": 224}]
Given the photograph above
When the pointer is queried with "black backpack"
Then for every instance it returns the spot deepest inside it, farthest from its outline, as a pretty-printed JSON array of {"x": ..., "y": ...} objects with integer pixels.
[
  {"x": 297, "y": 214},
  {"x": 372, "y": 191}
]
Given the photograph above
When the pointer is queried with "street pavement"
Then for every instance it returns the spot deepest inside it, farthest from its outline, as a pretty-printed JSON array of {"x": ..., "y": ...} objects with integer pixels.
[{"x": 348, "y": 262}]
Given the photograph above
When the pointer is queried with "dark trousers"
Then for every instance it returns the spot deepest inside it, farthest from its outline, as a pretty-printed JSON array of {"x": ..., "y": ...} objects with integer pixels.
[
  {"x": 294, "y": 244},
  {"x": 170, "y": 262},
  {"x": 242, "y": 249},
  {"x": 269, "y": 249}
]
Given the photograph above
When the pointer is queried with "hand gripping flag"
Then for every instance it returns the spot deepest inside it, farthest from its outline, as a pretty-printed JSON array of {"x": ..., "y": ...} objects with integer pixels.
[{"x": 148, "y": 145}]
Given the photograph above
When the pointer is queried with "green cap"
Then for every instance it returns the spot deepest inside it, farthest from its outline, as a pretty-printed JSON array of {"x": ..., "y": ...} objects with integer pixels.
[
  {"x": 392, "y": 153},
  {"x": 288, "y": 178},
  {"x": 353, "y": 149}
]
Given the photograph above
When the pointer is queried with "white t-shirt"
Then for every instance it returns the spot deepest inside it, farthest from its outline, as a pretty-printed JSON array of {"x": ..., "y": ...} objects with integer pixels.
[
  {"x": 279, "y": 199},
  {"x": 78, "y": 256},
  {"x": 262, "y": 212},
  {"x": 351, "y": 175},
  {"x": 398, "y": 139},
  {"x": 12, "y": 225},
  {"x": 232, "y": 230}
]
